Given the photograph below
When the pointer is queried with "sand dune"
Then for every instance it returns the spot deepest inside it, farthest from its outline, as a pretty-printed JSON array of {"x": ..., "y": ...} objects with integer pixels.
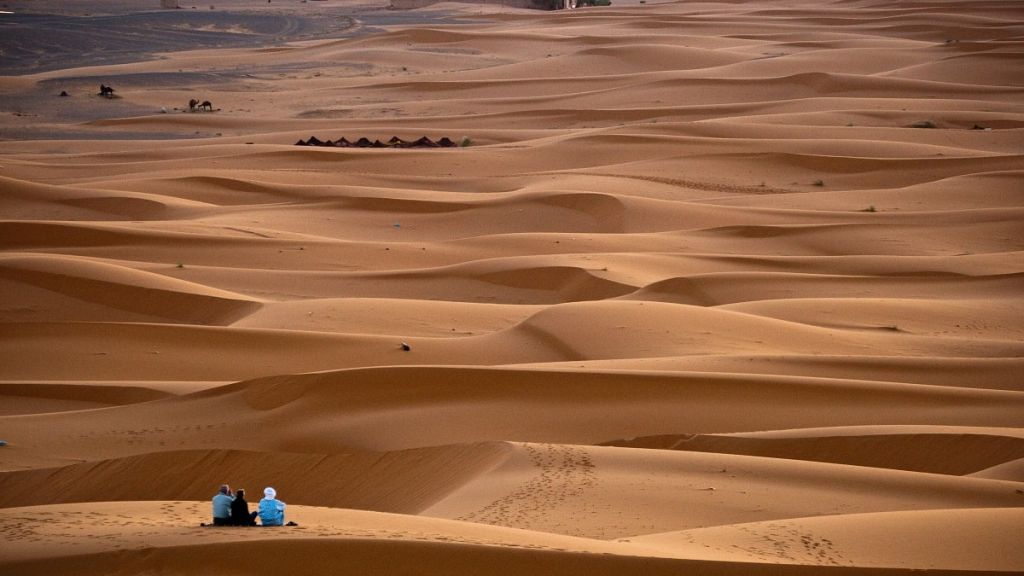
[
  {"x": 398, "y": 408},
  {"x": 918, "y": 449},
  {"x": 38, "y": 398},
  {"x": 402, "y": 482},
  {"x": 140, "y": 296},
  {"x": 711, "y": 288},
  {"x": 881, "y": 539},
  {"x": 993, "y": 373},
  {"x": 594, "y": 492},
  {"x": 1013, "y": 471},
  {"x": 382, "y": 542}
]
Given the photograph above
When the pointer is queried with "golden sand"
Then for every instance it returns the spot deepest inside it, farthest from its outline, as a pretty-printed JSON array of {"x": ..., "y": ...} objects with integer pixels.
[{"x": 709, "y": 288}]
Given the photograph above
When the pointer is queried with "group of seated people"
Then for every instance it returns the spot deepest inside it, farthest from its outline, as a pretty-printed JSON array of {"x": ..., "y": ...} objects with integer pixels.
[{"x": 231, "y": 509}]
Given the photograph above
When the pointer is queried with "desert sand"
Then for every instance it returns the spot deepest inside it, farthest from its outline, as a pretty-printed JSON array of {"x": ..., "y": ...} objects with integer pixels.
[{"x": 706, "y": 288}]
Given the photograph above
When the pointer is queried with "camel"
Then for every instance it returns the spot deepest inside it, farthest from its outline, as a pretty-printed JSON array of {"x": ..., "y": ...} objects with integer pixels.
[
  {"x": 206, "y": 106},
  {"x": 106, "y": 91},
  {"x": 192, "y": 105}
]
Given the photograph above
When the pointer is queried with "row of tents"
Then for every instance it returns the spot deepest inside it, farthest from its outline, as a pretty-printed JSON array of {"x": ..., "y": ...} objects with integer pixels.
[{"x": 394, "y": 142}]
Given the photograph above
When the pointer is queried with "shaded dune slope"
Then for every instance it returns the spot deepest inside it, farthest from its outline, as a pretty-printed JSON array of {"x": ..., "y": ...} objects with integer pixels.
[
  {"x": 37, "y": 397},
  {"x": 593, "y": 492},
  {"x": 922, "y": 452},
  {"x": 398, "y": 408},
  {"x": 400, "y": 482},
  {"x": 118, "y": 292}
]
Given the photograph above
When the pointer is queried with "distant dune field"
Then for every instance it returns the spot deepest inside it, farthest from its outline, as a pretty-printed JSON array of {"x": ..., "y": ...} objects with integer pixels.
[{"x": 705, "y": 288}]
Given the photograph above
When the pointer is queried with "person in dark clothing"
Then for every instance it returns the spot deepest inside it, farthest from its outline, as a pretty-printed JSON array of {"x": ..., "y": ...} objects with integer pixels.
[{"x": 240, "y": 515}]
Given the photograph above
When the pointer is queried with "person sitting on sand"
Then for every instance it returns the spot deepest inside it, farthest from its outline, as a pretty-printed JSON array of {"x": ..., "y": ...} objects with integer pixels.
[
  {"x": 240, "y": 515},
  {"x": 271, "y": 510},
  {"x": 222, "y": 506}
]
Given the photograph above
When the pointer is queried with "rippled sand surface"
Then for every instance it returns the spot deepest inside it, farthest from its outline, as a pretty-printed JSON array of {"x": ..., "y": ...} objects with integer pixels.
[{"x": 709, "y": 288}]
